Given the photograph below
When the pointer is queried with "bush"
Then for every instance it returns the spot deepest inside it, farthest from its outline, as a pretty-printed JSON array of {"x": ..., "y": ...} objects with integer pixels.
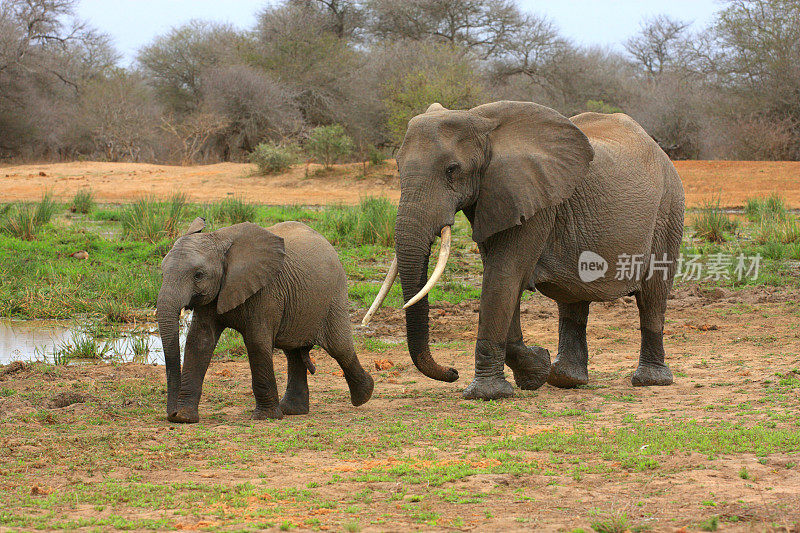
[
  {"x": 329, "y": 144},
  {"x": 599, "y": 106},
  {"x": 150, "y": 220},
  {"x": 712, "y": 224},
  {"x": 24, "y": 220},
  {"x": 82, "y": 202},
  {"x": 375, "y": 156},
  {"x": 272, "y": 158},
  {"x": 233, "y": 211}
]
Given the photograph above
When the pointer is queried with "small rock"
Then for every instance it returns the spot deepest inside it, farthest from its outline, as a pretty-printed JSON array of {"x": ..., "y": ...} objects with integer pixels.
[
  {"x": 82, "y": 254},
  {"x": 41, "y": 173}
]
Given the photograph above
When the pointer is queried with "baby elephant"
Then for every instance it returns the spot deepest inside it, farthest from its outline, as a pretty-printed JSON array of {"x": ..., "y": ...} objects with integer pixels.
[{"x": 281, "y": 287}]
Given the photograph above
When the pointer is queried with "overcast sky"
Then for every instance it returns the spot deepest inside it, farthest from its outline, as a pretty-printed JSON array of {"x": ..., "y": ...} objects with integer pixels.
[{"x": 134, "y": 23}]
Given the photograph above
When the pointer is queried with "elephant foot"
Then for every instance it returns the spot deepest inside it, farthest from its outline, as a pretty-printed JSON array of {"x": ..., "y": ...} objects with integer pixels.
[
  {"x": 652, "y": 374},
  {"x": 294, "y": 406},
  {"x": 529, "y": 364},
  {"x": 274, "y": 413},
  {"x": 492, "y": 388},
  {"x": 184, "y": 415},
  {"x": 567, "y": 376},
  {"x": 361, "y": 389}
]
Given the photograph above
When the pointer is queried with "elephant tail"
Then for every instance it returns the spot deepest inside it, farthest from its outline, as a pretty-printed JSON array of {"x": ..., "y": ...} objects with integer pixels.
[{"x": 307, "y": 361}]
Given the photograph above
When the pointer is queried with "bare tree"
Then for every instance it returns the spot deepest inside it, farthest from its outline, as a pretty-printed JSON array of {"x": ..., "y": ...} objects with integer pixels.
[
  {"x": 121, "y": 116},
  {"x": 256, "y": 107},
  {"x": 479, "y": 26},
  {"x": 174, "y": 63},
  {"x": 193, "y": 132},
  {"x": 659, "y": 44}
]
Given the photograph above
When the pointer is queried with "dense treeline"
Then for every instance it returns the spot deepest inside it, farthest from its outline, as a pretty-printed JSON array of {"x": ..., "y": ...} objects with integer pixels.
[{"x": 207, "y": 92}]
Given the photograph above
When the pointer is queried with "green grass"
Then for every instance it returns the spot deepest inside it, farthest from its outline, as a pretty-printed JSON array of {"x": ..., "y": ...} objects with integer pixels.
[
  {"x": 82, "y": 202},
  {"x": 232, "y": 211},
  {"x": 771, "y": 208},
  {"x": 150, "y": 220},
  {"x": 24, "y": 220},
  {"x": 712, "y": 224}
]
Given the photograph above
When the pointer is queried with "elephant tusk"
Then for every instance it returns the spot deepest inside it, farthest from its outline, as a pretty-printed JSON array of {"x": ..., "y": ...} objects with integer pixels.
[
  {"x": 444, "y": 254},
  {"x": 387, "y": 284}
]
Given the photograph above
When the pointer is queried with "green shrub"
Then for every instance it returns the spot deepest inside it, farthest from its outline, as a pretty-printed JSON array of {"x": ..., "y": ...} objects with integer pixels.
[
  {"x": 712, "y": 224},
  {"x": 24, "y": 220},
  {"x": 329, "y": 144},
  {"x": 233, "y": 211},
  {"x": 375, "y": 156},
  {"x": 272, "y": 158},
  {"x": 82, "y": 202},
  {"x": 599, "y": 106},
  {"x": 149, "y": 220}
]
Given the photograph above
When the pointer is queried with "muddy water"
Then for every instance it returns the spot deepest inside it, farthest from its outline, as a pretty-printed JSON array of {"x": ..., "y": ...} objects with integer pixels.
[{"x": 26, "y": 340}]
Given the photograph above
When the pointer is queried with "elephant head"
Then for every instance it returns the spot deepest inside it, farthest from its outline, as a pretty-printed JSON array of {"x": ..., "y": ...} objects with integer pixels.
[
  {"x": 227, "y": 266},
  {"x": 500, "y": 163}
]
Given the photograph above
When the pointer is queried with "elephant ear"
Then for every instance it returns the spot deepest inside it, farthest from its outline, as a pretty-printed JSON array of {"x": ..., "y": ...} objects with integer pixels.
[
  {"x": 196, "y": 226},
  {"x": 536, "y": 159},
  {"x": 253, "y": 257}
]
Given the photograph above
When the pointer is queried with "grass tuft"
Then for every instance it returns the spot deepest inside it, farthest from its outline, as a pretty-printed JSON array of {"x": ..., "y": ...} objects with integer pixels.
[
  {"x": 615, "y": 523},
  {"x": 712, "y": 224},
  {"x": 82, "y": 202},
  {"x": 149, "y": 220},
  {"x": 233, "y": 211},
  {"x": 24, "y": 220}
]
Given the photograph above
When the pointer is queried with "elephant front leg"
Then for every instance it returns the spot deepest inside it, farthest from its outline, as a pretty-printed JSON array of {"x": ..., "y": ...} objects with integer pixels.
[
  {"x": 265, "y": 388},
  {"x": 200, "y": 343},
  {"x": 295, "y": 401},
  {"x": 571, "y": 366},
  {"x": 529, "y": 364}
]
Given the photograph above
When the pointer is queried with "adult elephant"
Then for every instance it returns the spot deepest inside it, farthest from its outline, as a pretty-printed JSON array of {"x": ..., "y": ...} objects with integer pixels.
[{"x": 543, "y": 193}]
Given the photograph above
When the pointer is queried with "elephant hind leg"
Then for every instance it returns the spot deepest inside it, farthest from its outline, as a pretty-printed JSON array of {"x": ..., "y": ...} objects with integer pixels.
[
  {"x": 295, "y": 400},
  {"x": 338, "y": 343},
  {"x": 652, "y": 300},
  {"x": 570, "y": 368}
]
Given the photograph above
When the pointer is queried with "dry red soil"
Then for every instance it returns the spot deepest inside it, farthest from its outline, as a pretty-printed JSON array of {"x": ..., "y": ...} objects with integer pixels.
[{"x": 730, "y": 181}]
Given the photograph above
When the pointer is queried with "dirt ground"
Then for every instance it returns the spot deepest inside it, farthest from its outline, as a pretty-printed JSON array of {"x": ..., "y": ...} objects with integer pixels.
[
  {"x": 415, "y": 456},
  {"x": 730, "y": 181}
]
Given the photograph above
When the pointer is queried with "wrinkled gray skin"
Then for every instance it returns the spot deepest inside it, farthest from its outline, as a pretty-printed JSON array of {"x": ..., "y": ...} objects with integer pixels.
[
  {"x": 538, "y": 189},
  {"x": 281, "y": 287}
]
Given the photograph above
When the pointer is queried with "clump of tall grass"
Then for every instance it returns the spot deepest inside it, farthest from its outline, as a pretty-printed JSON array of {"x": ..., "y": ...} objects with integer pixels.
[
  {"x": 771, "y": 208},
  {"x": 712, "y": 224},
  {"x": 782, "y": 232},
  {"x": 80, "y": 347},
  {"x": 24, "y": 220},
  {"x": 370, "y": 222},
  {"x": 82, "y": 202},
  {"x": 376, "y": 221},
  {"x": 233, "y": 211},
  {"x": 147, "y": 219}
]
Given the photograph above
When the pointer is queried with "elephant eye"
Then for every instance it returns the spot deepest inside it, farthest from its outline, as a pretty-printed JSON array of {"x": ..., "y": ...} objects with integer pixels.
[
  {"x": 451, "y": 169},
  {"x": 198, "y": 275}
]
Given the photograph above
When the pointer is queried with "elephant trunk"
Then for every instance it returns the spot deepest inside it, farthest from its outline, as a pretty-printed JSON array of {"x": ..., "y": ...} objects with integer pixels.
[
  {"x": 413, "y": 248},
  {"x": 168, "y": 316}
]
